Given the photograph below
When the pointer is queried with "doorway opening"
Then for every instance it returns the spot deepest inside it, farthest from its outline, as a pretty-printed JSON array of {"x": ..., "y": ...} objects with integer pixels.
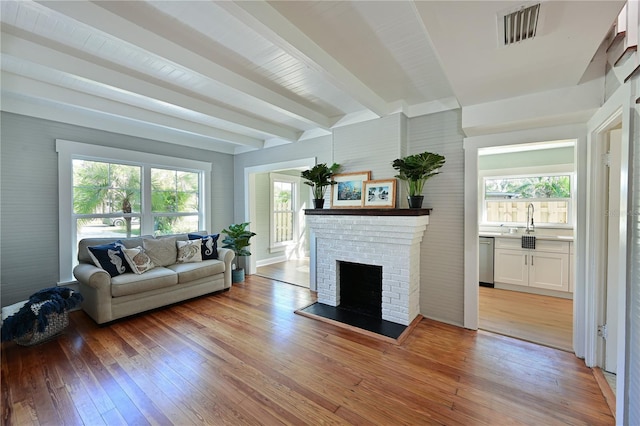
[
  {"x": 275, "y": 203},
  {"x": 527, "y": 190}
]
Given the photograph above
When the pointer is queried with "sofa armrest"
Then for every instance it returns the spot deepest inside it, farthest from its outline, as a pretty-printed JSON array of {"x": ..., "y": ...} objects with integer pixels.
[
  {"x": 95, "y": 287},
  {"x": 92, "y": 276},
  {"x": 226, "y": 255}
]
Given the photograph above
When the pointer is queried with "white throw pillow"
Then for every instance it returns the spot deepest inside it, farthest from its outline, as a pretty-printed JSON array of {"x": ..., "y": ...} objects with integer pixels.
[
  {"x": 138, "y": 260},
  {"x": 189, "y": 251}
]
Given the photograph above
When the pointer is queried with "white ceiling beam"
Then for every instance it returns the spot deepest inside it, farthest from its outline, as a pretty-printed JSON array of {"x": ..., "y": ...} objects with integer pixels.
[
  {"x": 269, "y": 23},
  {"x": 39, "y": 54},
  {"x": 111, "y": 17},
  {"x": 64, "y": 96},
  {"x": 46, "y": 110}
]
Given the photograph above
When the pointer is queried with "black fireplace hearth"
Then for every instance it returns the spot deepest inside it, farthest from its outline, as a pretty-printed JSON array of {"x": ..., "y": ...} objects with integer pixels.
[{"x": 336, "y": 313}]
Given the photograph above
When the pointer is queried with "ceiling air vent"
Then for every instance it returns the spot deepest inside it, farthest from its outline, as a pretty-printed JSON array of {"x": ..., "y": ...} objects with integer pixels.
[{"x": 520, "y": 25}]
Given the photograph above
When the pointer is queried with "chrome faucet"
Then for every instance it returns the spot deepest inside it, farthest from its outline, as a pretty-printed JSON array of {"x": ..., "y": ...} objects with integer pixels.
[{"x": 530, "y": 225}]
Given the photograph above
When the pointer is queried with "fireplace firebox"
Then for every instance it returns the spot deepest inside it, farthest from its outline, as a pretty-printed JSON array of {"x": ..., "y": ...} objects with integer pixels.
[{"x": 360, "y": 288}]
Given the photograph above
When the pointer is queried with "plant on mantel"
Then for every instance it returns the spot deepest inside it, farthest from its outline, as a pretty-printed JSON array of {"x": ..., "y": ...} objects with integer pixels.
[
  {"x": 319, "y": 177},
  {"x": 415, "y": 170}
]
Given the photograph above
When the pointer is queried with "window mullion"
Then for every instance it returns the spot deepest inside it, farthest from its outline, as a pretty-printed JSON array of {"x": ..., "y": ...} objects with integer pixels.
[{"x": 147, "y": 218}]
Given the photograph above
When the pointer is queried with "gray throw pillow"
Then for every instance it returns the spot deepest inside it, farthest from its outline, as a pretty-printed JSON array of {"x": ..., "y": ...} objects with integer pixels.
[{"x": 162, "y": 251}]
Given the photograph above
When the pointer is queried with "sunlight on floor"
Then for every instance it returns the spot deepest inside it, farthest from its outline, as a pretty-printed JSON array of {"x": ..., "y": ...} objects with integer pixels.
[
  {"x": 611, "y": 379},
  {"x": 295, "y": 271}
]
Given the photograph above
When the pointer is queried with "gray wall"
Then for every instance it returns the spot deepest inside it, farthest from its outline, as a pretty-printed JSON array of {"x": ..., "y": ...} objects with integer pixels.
[
  {"x": 371, "y": 145},
  {"x": 442, "y": 266},
  {"x": 29, "y": 195}
]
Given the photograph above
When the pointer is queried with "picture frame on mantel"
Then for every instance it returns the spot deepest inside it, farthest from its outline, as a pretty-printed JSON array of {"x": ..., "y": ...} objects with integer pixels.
[
  {"x": 380, "y": 193},
  {"x": 348, "y": 192}
]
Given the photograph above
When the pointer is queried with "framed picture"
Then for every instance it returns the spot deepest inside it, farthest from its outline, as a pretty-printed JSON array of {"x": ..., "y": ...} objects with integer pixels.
[
  {"x": 347, "y": 193},
  {"x": 380, "y": 193}
]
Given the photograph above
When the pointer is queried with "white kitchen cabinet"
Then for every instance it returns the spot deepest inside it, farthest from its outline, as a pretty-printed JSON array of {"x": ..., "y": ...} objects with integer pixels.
[
  {"x": 510, "y": 266},
  {"x": 546, "y": 266}
]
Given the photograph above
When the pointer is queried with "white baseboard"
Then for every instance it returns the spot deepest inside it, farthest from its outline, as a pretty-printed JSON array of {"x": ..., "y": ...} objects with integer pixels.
[
  {"x": 534, "y": 290},
  {"x": 271, "y": 261}
]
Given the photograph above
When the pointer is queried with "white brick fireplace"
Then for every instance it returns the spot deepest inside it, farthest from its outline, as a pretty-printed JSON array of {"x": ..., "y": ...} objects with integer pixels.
[{"x": 388, "y": 238}]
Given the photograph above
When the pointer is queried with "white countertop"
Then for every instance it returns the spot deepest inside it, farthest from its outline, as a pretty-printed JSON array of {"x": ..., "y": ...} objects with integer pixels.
[{"x": 538, "y": 235}]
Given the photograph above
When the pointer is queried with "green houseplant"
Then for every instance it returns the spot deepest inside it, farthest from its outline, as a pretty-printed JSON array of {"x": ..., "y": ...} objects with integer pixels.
[
  {"x": 237, "y": 239},
  {"x": 319, "y": 177},
  {"x": 415, "y": 170}
]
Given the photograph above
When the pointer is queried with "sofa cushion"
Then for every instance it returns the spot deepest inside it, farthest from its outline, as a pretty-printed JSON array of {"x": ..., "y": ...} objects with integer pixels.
[
  {"x": 110, "y": 257},
  {"x": 189, "y": 251},
  {"x": 209, "y": 245},
  {"x": 83, "y": 253},
  {"x": 138, "y": 260},
  {"x": 162, "y": 251},
  {"x": 130, "y": 283},
  {"x": 193, "y": 271}
]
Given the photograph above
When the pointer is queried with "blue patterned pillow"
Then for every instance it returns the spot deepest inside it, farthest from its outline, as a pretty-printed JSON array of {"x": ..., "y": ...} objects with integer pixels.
[
  {"x": 209, "y": 245},
  {"x": 110, "y": 257}
]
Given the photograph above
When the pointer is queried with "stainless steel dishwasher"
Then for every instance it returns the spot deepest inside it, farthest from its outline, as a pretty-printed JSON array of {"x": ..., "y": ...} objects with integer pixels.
[{"x": 486, "y": 261}]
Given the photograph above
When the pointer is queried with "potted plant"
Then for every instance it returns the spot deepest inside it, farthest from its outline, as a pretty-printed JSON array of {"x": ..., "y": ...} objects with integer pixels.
[
  {"x": 319, "y": 177},
  {"x": 415, "y": 170},
  {"x": 237, "y": 239}
]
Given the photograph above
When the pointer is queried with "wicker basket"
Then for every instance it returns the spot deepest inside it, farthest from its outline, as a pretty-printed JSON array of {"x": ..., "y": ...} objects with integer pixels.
[{"x": 57, "y": 323}]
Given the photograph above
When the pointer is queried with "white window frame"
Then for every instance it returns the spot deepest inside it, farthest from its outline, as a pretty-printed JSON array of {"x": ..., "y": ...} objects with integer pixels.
[
  {"x": 525, "y": 172},
  {"x": 69, "y": 151},
  {"x": 277, "y": 177}
]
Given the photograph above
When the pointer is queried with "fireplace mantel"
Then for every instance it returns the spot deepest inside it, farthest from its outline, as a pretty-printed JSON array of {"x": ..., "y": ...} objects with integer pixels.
[{"x": 368, "y": 212}]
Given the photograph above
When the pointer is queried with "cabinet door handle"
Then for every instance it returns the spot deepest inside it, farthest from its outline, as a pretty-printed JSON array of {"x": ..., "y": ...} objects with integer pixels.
[
  {"x": 531, "y": 260},
  {"x": 525, "y": 260}
]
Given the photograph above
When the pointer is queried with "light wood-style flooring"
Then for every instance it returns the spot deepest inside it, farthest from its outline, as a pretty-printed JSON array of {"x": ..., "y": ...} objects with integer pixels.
[
  {"x": 243, "y": 357},
  {"x": 540, "y": 319},
  {"x": 294, "y": 271}
]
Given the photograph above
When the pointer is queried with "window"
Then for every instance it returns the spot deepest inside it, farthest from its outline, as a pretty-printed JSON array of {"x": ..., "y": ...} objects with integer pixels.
[
  {"x": 174, "y": 201},
  {"x": 505, "y": 199},
  {"x": 108, "y": 192},
  {"x": 106, "y": 198},
  {"x": 283, "y": 210}
]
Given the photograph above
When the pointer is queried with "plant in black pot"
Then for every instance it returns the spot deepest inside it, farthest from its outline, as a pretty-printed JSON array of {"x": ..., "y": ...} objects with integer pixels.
[
  {"x": 237, "y": 239},
  {"x": 319, "y": 177},
  {"x": 415, "y": 170}
]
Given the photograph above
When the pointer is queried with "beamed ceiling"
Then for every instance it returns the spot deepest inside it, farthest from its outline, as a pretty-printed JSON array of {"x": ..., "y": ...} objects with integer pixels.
[{"x": 237, "y": 76}]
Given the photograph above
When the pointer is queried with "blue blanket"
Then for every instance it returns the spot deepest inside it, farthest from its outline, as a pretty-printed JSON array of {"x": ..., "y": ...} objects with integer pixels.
[{"x": 37, "y": 308}]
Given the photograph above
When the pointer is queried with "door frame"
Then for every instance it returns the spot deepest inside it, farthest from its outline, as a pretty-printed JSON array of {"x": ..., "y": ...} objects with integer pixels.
[
  {"x": 616, "y": 110},
  {"x": 471, "y": 146},
  {"x": 250, "y": 191}
]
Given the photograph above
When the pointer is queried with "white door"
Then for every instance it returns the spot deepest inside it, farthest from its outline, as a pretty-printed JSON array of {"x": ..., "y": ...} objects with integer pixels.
[{"x": 613, "y": 252}]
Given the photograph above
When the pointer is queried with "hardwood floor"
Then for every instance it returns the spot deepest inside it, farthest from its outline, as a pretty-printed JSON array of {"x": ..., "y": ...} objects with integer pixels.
[
  {"x": 243, "y": 357},
  {"x": 540, "y": 319},
  {"x": 295, "y": 271}
]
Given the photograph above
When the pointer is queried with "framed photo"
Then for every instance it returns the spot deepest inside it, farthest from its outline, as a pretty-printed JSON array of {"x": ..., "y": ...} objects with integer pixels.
[
  {"x": 380, "y": 193},
  {"x": 348, "y": 192}
]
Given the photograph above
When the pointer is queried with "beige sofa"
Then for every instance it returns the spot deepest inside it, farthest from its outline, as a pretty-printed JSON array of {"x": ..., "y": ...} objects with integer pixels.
[{"x": 108, "y": 298}]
